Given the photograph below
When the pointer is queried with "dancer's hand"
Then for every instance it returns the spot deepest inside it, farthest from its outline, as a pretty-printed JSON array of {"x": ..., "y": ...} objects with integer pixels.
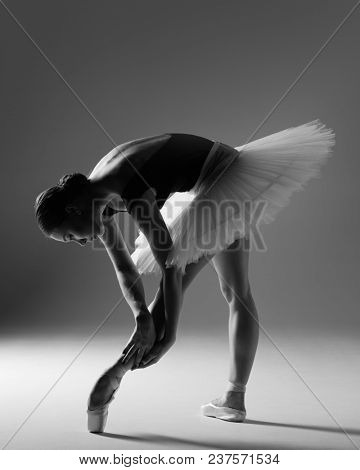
[
  {"x": 141, "y": 341},
  {"x": 159, "y": 349}
]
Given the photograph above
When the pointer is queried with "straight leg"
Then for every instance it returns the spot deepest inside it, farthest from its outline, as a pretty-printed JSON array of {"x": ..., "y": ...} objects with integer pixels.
[{"x": 231, "y": 266}]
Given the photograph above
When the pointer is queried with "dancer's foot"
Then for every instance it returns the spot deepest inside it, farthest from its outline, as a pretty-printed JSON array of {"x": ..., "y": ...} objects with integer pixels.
[
  {"x": 229, "y": 407},
  {"x": 105, "y": 388},
  {"x": 102, "y": 395}
]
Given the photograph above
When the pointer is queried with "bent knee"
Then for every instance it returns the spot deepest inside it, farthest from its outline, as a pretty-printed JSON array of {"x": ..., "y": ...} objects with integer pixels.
[{"x": 236, "y": 291}]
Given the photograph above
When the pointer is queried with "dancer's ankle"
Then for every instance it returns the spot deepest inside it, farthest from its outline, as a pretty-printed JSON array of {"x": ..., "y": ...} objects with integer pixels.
[
  {"x": 117, "y": 370},
  {"x": 236, "y": 387}
]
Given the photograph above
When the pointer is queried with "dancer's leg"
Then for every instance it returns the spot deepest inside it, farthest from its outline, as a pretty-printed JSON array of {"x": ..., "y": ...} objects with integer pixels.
[
  {"x": 103, "y": 393},
  {"x": 157, "y": 308},
  {"x": 108, "y": 383},
  {"x": 232, "y": 268},
  {"x": 110, "y": 380}
]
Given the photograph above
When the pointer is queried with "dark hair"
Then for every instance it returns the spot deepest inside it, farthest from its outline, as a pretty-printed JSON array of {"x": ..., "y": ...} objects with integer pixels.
[{"x": 50, "y": 204}]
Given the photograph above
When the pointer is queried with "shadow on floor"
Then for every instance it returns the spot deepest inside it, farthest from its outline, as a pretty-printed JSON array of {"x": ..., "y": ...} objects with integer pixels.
[
  {"x": 171, "y": 441},
  {"x": 166, "y": 440},
  {"x": 310, "y": 427}
]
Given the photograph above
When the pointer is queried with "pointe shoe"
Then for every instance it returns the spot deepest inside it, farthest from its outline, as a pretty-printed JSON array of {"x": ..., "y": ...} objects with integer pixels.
[
  {"x": 97, "y": 417},
  {"x": 223, "y": 412}
]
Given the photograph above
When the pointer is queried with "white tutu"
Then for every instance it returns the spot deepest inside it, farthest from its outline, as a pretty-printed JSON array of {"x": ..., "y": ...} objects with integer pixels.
[{"x": 233, "y": 183}]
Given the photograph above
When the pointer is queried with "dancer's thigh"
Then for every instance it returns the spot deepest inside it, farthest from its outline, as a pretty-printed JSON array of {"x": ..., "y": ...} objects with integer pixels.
[{"x": 193, "y": 269}]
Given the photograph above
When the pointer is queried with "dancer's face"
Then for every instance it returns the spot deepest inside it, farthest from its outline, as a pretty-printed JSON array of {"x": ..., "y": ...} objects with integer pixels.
[{"x": 80, "y": 226}]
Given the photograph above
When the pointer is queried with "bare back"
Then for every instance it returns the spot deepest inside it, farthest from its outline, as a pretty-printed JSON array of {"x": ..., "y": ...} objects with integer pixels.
[{"x": 119, "y": 164}]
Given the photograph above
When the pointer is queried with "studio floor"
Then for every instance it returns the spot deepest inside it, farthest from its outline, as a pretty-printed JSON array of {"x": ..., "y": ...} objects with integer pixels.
[{"x": 45, "y": 390}]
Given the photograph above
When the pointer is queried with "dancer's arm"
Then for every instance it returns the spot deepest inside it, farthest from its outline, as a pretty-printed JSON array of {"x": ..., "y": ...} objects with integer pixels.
[
  {"x": 126, "y": 272},
  {"x": 144, "y": 334},
  {"x": 149, "y": 218}
]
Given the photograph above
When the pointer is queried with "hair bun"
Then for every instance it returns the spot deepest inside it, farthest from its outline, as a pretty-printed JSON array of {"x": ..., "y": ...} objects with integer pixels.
[{"x": 73, "y": 181}]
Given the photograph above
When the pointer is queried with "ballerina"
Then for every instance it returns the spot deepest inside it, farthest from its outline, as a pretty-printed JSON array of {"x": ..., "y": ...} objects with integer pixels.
[{"x": 178, "y": 189}]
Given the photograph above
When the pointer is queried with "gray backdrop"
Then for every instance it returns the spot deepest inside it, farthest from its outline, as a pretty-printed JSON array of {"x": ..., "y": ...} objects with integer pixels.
[{"x": 204, "y": 67}]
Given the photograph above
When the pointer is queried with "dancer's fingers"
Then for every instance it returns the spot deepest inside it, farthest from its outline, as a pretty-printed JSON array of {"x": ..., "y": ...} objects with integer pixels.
[
  {"x": 138, "y": 358},
  {"x": 153, "y": 361},
  {"x": 147, "y": 359},
  {"x": 129, "y": 354},
  {"x": 127, "y": 347}
]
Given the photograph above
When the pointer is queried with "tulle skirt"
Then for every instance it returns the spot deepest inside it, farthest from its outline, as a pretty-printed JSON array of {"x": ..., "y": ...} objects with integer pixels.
[{"x": 238, "y": 189}]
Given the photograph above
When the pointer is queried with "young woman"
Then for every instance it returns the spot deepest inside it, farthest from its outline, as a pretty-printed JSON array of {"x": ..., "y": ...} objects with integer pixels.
[{"x": 193, "y": 200}]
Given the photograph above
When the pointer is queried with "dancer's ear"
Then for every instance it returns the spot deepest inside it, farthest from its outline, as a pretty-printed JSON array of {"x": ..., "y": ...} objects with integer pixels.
[{"x": 72, "y": 209}]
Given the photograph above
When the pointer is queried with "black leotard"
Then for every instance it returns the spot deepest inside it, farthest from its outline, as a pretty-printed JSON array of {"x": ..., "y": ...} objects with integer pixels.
[{"x": 174, "y": 168}]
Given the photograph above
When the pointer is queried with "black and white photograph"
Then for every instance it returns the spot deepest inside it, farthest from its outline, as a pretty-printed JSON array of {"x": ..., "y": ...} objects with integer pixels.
[{"x": 180, "y": 264}]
